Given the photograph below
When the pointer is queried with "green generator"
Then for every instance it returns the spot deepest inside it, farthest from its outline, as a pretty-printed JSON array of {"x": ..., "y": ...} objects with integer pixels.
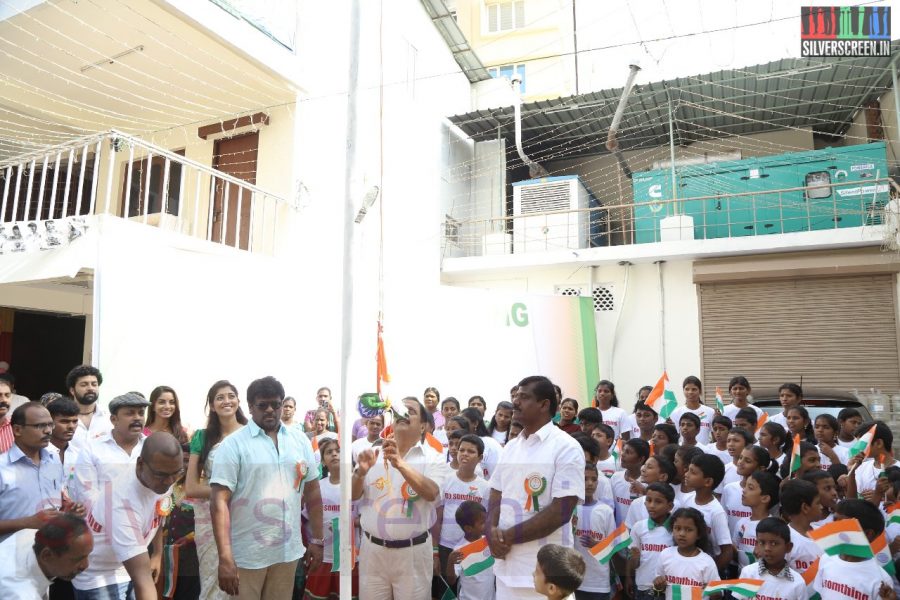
[{"x": 829, "y": 188}]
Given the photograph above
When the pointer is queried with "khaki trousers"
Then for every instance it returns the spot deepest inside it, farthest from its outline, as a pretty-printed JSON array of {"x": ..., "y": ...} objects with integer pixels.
[
  {"x": 395, "y": 573},
  {"x": 275, "y": 582}
]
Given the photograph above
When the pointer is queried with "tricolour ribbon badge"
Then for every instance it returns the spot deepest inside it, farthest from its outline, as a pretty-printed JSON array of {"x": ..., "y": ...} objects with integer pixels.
[{"x": 535, "y": 484}]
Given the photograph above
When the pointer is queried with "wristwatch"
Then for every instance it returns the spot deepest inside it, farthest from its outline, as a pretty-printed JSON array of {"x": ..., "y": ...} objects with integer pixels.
[{"x": 316, "y": 542}]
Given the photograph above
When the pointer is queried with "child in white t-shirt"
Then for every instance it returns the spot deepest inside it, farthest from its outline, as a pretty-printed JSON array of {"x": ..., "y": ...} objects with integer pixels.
[
  {"x": 687, "y": 564},
  {"x": 801, "y": 506},
  {"x": 692, "y": 389},
  {"x": 826, "y": 429},
  {"x": 634, "y": 454},
  {"x": 656, "y": 469},
  {"x": 593, "y": 522},
  {"x": 649, "y": 538},
  {"x": 760, "y": 494},
  {"x": 844, "y": 576},
  {"x": 780, "y": 582},
  {"x": 703, "y": 475},
  {"x": 752, "y": 459},
  {"x": 479, "y": 582},
  {"x": 607, "y": 463},
  {"x": 828, "y": 495},
  {"x": 721, "y": 425},
  {"x": 558, "y": 572}
]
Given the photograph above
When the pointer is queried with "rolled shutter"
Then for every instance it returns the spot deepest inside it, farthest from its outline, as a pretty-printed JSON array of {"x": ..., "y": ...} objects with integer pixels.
[{"x": 834, "y": 332}]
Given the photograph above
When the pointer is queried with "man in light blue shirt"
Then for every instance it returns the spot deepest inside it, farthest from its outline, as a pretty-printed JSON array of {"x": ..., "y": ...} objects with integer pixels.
[
  {"x": 31, "y": 478},
  {"x": 260, "y": 474}
]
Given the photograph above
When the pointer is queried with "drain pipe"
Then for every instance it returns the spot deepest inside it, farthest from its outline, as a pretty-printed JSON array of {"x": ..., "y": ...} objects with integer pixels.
[
  {"x": 535, "y": 170},
  {"x": 612, "y": 144},
  {"x": 615, "y": 337},
  {"x": 662, "y": 315}
]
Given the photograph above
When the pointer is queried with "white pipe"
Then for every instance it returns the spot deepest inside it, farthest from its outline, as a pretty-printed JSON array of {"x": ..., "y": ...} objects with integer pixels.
[
  {"x": 662, "y": 315},
  {"x": 623, "y": 100},
  {"x": 615, "y": 335},
  {"x": 534, "y": 169}
]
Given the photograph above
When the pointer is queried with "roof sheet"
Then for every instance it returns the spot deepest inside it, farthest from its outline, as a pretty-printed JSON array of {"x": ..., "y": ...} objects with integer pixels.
[{"x": 820, "y": 93}]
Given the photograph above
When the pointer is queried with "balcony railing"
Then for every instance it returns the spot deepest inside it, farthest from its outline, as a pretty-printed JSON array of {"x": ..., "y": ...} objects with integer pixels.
[
  {"x": 820, "y": 207},
  {"x": 118, "y": 174}
]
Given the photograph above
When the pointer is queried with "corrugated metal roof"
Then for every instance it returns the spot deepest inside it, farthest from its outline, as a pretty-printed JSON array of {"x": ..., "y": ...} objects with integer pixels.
[
  {"x": 820, "y": 93},
  {"x": 456, "y": 41}
]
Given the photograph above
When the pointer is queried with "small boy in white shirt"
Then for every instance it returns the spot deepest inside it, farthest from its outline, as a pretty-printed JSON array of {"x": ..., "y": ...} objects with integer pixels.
[
  {"x": 558, "y": 573},
  {"x": 649, "y": 537},
  {"x": 471, "y": 517},
  {"x": 703, "y": 476},
  {"x": 593, "y": 522},
  {"x": 780, "y": 582}
]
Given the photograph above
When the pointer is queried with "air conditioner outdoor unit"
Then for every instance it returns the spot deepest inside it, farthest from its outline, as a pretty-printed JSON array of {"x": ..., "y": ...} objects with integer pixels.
[{"x": 552, "y": 213}]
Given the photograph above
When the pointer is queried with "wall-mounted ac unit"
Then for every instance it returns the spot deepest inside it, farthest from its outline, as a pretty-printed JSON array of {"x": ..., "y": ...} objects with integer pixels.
[{"x": 552, "y": 213}]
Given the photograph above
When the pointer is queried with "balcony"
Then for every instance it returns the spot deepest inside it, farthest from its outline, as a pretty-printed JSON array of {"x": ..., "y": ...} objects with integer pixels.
[
  {"x": 117, "y": 174},
  {"x": 845, "y": 214}
]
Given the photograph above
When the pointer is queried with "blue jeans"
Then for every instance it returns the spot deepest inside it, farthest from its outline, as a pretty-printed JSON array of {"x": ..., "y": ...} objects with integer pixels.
[{"x": 115, "y": 591}]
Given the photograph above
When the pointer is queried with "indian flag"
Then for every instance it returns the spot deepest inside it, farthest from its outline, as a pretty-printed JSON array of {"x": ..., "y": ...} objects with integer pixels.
[
  {"x": 809, "y": 576},
  {"x": 863, "y": 444},
  {"x": 662, "y": 397},
  {"x": 617, "y": 450},
  {"x": 686, "y": 592},
  {"x": 742, "y": 587},
  {"x": 476, "y": 557},
  {"x": 883, "y": 554},
  {"x": 795, "y": 454},
  {"x": 762, "y": 420},
  {"x": 617, "y": 541},
  {"x": 842, "y": 537},
  {"x": 893, "y": 513},
  {"x": 720, "y": 405}
]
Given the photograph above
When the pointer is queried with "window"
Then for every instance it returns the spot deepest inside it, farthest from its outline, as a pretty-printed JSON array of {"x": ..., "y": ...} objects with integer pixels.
[
  {"x": 157, "y": 177},
  {"x": 451, "y": 230},
  {"x": 508, "y": 71},
  {"x": 817, "y": 185},
  {"x": 505, "y": 16}
]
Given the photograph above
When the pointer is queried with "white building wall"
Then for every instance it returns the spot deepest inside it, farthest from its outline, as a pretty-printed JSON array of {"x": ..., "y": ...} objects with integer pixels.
[{"x": 628, "y": 338}]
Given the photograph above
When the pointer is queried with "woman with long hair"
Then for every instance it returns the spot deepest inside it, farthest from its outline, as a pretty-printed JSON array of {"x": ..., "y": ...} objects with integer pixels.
[
  {"x": 164, "y": 414},
  {"x": 499, "y": 425},
  {"x": 224, "y": 418}
]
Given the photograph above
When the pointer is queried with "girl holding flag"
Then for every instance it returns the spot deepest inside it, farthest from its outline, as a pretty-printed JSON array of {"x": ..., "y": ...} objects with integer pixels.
[
  {"x": 685, "y": 570},
  {"x": 324, "y": 582},
  {"x": 739, "y": 388}
]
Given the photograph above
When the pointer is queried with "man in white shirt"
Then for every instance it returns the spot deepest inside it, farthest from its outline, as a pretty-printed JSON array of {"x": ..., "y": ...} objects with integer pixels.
[
  {"x": 104, "y": 458},
  {"x": 535, "y": 488},
  {"x": 83, "y": 383},
  {"x": 400, "y": 489},
  {"x": 33, "y": 558},
  {"x": 126, "y": 521}
]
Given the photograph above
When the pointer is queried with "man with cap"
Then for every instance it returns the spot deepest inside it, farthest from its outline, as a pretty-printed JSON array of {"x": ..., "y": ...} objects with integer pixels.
[
  {"x": 104, "y": 458},
  {"x": 127, "y": 520},
  {"x": 33, "y": 558}
]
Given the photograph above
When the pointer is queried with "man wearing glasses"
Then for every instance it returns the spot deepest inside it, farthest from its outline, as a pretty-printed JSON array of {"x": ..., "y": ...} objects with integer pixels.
[
  {"x": 259, "y": 477},
  {"x": 31, "y": 478},
  {"x": 127, "y": 520}
]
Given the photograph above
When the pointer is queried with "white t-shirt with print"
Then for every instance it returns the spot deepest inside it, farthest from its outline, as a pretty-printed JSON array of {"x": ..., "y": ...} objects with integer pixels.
[
  {"x": 695, "y": 571},
  {"x": 734, "y": 507},
  {"x": 597, "y": 522},
  {"x": 716, "y": 521},
  {"x": 776, "y": 588},
  {"x": 745, "y": 541},
  {"x": 331, "y": 510},
  {"x": 480, "y": 586},
  {"x": 843, "y": 455},
  {"x": 622, "y": 495},
  {"x": 731, "y": 410},
  {"x": 804, "y": 553},
  {"x": 616, "y": 418},
  {"x": 454, "y": 493},
  {"x": 706, "y": 415},
  {"x": 839, "y": 579},
  {"x": 608, "y": 466},
  {"x": 650, "y": 543}
]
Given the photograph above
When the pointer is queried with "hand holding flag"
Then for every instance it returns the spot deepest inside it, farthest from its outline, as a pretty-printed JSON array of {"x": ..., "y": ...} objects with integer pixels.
[{"x": 662, "y": 397}]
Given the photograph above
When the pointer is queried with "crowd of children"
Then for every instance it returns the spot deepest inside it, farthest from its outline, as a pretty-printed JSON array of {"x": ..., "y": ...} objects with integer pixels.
[{"x": 704, "y": 496}]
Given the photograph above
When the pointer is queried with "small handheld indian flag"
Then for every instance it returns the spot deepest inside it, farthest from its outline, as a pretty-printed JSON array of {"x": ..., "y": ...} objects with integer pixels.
[
  {"x": 842, "y": 537},
  {"x": 795, "y": 454},
  {"x": 617, "y": 450},
  {"x": 747, "y": 588},
  {"x": 617, "y": 541},
  {"x": 893, "y": 513},
  {"x": 883, "y": 554},
  {"x": 686, "y": 592},
  {"x": 662, "y": 397},
  {"x": 476, "y": 557},
  {"x": 809, "y": 576},
  {"x": 863, "y": 444},
  {"x": 720, "y": 404},
  {"x": 762, "y": 420}
]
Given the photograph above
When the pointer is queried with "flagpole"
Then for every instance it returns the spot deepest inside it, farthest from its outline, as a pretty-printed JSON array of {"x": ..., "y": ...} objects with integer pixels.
[{"x": 346, "y": 432}]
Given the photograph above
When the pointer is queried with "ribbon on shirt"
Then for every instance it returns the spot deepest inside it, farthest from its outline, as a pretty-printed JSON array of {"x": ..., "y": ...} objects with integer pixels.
[
  {"x": 301, "y": 470},
  {"x": 409, "y": 496},
  {"x": 535, "y": 484}
]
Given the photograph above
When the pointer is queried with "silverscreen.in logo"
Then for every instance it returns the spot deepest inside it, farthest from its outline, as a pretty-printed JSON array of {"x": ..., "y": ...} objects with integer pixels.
[{"x": 845, "y": 31}]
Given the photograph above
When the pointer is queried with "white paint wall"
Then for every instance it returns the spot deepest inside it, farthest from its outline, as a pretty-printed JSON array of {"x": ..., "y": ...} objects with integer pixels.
[{"x": 628, "y": 339}]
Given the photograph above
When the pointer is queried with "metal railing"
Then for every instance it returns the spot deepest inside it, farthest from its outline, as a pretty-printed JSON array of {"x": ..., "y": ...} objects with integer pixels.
[
  {"x": 790, "y": 210},
  {"x": 122, "y": 175}
]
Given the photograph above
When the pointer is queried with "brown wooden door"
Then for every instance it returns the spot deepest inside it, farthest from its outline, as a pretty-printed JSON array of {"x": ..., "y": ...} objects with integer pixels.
[{"x": 235, "y": 156}]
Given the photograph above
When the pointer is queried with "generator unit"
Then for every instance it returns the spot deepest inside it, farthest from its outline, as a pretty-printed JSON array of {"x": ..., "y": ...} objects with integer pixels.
[
  {"x": 557, "y": 213},
  {"x": 831, "y": 188}
]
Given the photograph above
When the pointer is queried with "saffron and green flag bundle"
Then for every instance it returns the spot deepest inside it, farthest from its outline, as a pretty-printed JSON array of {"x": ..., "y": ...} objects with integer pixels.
[
  {"x": 686, "y": 592},
  {"x": 617, "y": 541},
  {"x": 795, "y": 455},
  {"x": 863, "y": 444},
  {"x": 662, "y": 397},
  {"x": 893, "y": 513},
  {"x": 720, "y": 405},
  {"x": 842, "y": 537},
  {"x": 748, "y": 588},
  {"x": 476, "y": 557}
]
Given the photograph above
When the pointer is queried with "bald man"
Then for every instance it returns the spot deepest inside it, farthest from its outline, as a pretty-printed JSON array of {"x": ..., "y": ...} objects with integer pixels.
[{"x": 127, "y": 520}]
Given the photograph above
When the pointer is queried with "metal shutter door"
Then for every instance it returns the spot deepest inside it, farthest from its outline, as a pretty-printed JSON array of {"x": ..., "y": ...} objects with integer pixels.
[{"x": 836, "y": 332}]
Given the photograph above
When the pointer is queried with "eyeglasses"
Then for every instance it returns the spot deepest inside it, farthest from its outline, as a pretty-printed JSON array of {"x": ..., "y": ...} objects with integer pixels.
[
  {"x": 39, "y": 425},
  {"x": 266, "y": 404}
]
